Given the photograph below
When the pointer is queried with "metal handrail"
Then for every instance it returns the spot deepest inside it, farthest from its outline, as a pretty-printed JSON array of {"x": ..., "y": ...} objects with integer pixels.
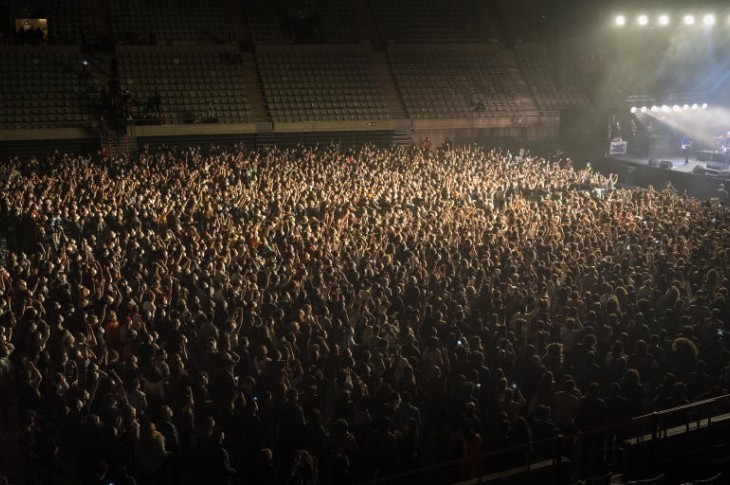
[{"x": 557, "y": 443}]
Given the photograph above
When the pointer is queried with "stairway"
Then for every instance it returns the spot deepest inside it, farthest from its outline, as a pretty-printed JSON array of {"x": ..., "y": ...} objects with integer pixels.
[
  {"x": 368, "y": 24},
  {"x": 240, "y": 27},
  {"x": 254, "y": 90},
  {"x": 502, "y": 23},
  {"x": 525, "y": 99},
  {"x": 383, "y": 76}
]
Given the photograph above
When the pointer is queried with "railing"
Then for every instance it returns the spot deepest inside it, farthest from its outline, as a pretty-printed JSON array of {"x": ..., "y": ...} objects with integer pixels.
[{"x": 571, "y": 457}]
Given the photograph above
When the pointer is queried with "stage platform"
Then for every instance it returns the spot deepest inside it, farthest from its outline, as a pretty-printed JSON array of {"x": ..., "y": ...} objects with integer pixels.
[
  {"x": 635, "y": 171},
  {"x": 694, "y": 167}
]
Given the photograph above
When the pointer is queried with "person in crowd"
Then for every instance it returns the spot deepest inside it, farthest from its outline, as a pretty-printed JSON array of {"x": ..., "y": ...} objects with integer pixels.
[{"x": 284, "y": 314}]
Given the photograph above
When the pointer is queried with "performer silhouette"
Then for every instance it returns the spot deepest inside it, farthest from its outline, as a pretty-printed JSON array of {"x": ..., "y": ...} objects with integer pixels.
[{"x": 686, "y": 142}]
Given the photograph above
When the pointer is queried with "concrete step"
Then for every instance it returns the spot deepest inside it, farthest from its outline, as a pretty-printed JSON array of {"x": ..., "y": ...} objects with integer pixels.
[
  {"x": 254, "y": 89},
  {"x": 525, "y": 98},
  {"x": 383, "y": 76}
]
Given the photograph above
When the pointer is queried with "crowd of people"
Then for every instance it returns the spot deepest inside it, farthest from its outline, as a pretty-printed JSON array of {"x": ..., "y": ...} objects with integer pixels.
[{"x": 326, "y": 315}]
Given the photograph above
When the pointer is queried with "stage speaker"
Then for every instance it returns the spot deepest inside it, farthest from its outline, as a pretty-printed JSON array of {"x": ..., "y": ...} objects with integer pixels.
[
  {"x": 715, "y": 165},
  {"x": 659, "y": 146},
  {"x": 699, "y": 170},
  {"x": 653, "y": 163},
  {"x": 665, "y": 164},
  {"x": 617, "y": 148}
]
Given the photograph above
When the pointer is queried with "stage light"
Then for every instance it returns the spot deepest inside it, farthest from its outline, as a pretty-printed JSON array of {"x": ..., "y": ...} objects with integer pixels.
[
  {"x": 708, "y": 20},
  {"x": 685, "y": 107},
  {"x": 666, "y": 108},
  {"x": 689, "y": 20},
  {"x": 620, "y": 20},
  {"x": 643, "y": 20},
  {"x": 633, "y": 109},
  {"x": 654, "y": 109},
  {"x": 704, "y": 105},
  {"x": 644, "y": 109},
  {"x": 676, "y": 107},
  {"x": 664, "y": 20},
  {"x": 695, "y": 106}
]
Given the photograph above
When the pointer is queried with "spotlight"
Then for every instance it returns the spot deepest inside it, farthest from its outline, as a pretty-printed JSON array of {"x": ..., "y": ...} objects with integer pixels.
[
  {"x": 704, "y": 105},
  {"x": 666, "y": 108},
  {"x": 620, "y": 20},
  {"x": 654, "y": 109},
  {"x": 643, "y": 20},
  {"x": 695, "y": 106},
  {"x": 676, "y": 107},
  {"x": 685, "y": 107},
  {"x": 633, "y": 109},
  {"x": 664, "y": 20},
  {"x": 708, "y": 20},
  {"x": 689, "y": 20},
  {"x": 644, "y": 109}
]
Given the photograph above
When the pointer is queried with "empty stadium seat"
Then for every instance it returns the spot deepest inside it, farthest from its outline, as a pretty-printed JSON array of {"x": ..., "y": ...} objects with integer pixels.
[
  {"x": 445, "y": 84},
  {"x": 192, "y": 81},
  {"x": 43, "y": 87},
  {"x": 284, "y": 21},
  {"x": 554, "y": 86},
  {"x": 163, "y": 21},
  {"x": 410, "y": 20},
  {"x": 305, "y": 85}
]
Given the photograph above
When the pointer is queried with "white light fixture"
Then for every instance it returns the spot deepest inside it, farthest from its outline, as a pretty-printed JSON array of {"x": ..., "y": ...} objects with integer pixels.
[
  {"x": 654, "y": 109},
  {"x": 704, "y": 105},
  {"x": 664, "y": 20},
  {"x": 620, "y": 20},
  {"x": 643, "y": 20},
  {"x": 676, "y": 107},
  {"x": 689, "y": 20},
  {"x": 685, "y": 107},
  {"x": 644, "y": 109},
  {"x": 666, "y": 108},
  {"x": 633, "y": 109},
  {"x": 708, "y": 20},
  {"x": 695, "y": 106}
]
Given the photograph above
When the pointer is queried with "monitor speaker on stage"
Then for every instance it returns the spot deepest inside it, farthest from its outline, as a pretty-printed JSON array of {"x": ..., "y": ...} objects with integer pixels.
[
  {"x": 699, "y": 170},
  {"x": 715, "y": 165},
  {"x": 617, "y": 148},
  {"x": 667, "y": 164}
]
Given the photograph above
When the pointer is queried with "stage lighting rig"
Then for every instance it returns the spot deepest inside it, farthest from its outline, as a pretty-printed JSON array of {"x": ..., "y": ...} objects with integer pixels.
[
  {"x": 620, "y": 21},
  {"x": 689, "y": 20},
  {"x": 664, "y": 20},
  {"x": 643, "y": 20},
  {"x": 708, "y": 20}
]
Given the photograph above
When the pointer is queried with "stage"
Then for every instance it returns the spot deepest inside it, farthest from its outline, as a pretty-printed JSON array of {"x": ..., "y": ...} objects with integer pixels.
[
  {"x": 635, "y": 171},
  {"x": 696, "y": 167}
]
